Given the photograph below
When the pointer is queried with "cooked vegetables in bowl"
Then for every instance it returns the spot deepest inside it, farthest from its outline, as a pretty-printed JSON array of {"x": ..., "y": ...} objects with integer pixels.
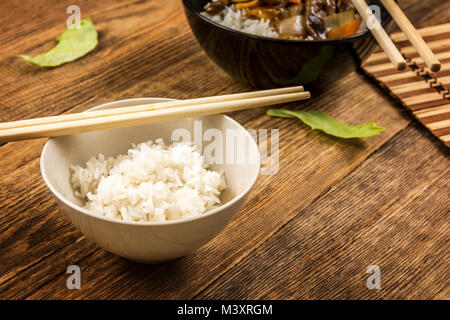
[
  {"x": 287, "y": 19},
  {"x": 269, "y": 53}
]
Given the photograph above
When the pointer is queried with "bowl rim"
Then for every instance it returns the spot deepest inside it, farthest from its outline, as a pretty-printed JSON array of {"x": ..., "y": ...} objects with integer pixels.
[
  {"x": 136, "y": 101},
  {"x": 187, "y": 4}
]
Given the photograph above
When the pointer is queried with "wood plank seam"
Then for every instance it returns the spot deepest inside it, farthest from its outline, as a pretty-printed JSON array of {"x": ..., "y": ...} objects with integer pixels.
[
  {"x": 317, "y": 198},
  {"x": 242, "y": 257},
  {"x": 321, "y": 197}
]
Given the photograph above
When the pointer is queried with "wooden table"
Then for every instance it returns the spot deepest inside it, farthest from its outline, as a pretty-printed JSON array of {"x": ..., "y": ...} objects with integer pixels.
[{"x": 309, "y": 232}]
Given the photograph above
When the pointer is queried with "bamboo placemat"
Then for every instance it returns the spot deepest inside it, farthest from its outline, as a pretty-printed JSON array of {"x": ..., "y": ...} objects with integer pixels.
[{"x": 424, "y": 93}]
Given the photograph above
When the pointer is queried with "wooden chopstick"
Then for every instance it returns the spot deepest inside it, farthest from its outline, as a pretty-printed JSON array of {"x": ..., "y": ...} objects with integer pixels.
[
  {"x": 411, "y": 33},
  {"x": 147, "y": 107},
  {"x": 143, "y": 117},
  {"x": 380, "y": 35}
]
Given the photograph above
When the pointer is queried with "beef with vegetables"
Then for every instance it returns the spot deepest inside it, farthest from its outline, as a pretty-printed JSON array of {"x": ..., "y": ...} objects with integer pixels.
[{"x": 298, "y": 19}]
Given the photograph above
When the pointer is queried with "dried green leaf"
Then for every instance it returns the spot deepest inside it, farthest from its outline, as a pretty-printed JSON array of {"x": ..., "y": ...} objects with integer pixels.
[
  {"x": 72, "y": 44},
  {"x": 319, "y": 120}
]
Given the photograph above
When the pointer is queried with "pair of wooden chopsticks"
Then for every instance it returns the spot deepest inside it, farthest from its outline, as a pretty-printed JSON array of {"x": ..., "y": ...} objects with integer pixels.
[
  {"x": 406, "y": 26},
  {"x": 145, "y": 114}
]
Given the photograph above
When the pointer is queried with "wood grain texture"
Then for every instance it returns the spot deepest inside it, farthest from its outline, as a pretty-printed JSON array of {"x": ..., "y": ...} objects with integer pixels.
[
  {"x": 381, "y": 214},
  {"x": 321, "y": 162},
  {"x": 146, "y": 50}
]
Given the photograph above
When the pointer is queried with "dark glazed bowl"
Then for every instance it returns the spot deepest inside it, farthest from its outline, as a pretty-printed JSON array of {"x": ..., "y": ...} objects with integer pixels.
[{"x": 268, "y": 63}]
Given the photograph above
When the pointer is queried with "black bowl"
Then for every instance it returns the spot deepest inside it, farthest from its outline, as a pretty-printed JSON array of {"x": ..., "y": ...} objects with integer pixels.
[{"x": 269, "y": 63}]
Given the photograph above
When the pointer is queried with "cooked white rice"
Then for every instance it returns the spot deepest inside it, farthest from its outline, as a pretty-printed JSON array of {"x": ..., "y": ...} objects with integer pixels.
[
  {"x": 153, "y": 182},
  {"x": 234, "y": 19}
]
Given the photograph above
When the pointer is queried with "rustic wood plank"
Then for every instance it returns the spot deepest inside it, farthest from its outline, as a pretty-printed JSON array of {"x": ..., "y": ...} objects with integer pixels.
[
  {"x": 140, "y": 56},
  {"x": 310, "y": 163},
  {"x": 393, "y": 212},
  {"x": 122, "y": 59}
]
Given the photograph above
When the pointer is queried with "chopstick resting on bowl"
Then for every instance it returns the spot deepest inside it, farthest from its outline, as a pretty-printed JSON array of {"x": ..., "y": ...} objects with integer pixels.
[
  {"x": 145, "y": 114},
  {"x": 147, "y": 107},
  {"x": 405, "y": 25},
  {"x": 380, "y": 35},
  {"x": 411, "y": 33}
]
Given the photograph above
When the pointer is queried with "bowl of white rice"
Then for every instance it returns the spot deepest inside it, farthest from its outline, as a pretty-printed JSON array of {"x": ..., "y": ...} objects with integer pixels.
[{"x": 156, "y": 192}]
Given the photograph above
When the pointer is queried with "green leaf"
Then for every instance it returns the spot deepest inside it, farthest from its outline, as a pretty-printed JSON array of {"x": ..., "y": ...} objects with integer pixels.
[
  {"x": 72, "y": 44},
  {"x": 319, "y": 120}
]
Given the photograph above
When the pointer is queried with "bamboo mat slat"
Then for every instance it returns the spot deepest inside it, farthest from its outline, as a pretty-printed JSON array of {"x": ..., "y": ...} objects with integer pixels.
[{"x": 424, "y": 93}]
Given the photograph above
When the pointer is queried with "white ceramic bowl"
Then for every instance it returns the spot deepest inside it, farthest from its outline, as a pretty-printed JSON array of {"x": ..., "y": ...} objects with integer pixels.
[{"x": 146, "y": 242}]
